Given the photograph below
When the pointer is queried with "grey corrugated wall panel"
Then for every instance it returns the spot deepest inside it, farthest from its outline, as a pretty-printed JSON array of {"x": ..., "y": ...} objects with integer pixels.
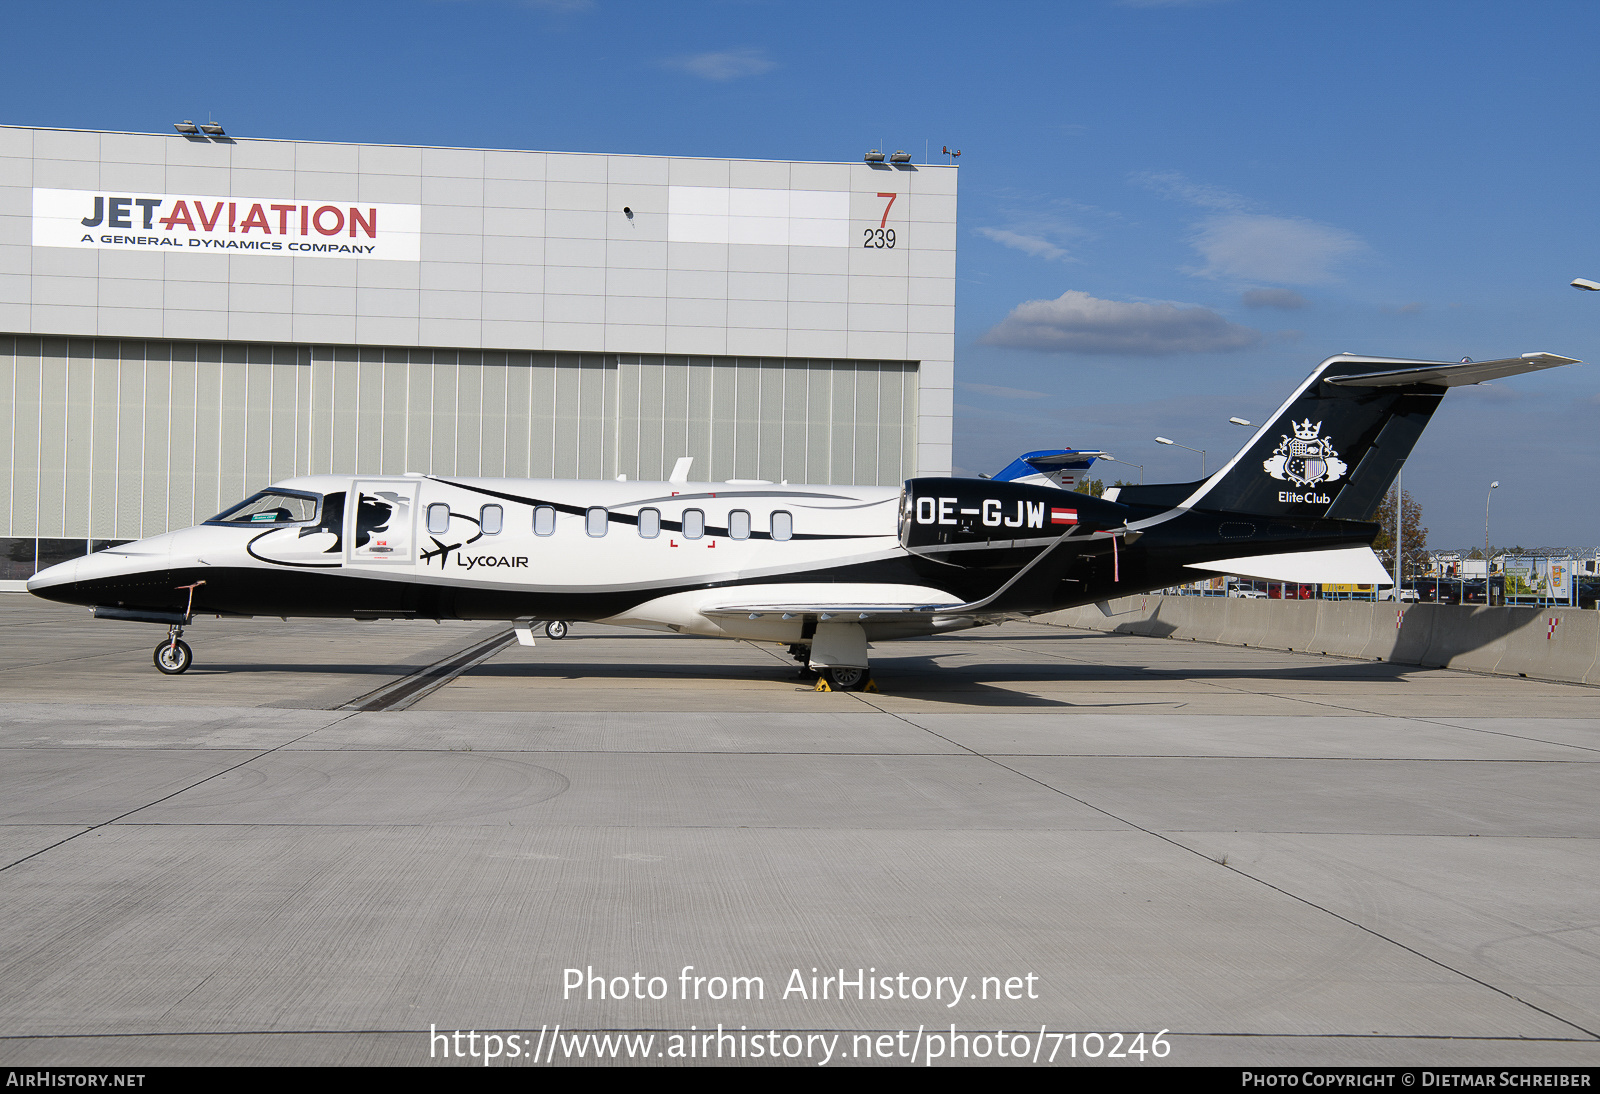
[
  {"x": 108, "y": 439},
  {"x": 819, "y": 404},
  {"x": 56, "y": 386},
  {"x": 699, "y": 429},
  {"x": 25, "y": 435},
  {"x": 567, "y": 427},
  {"x": 866, "y": 423},
  {"x": 841, "y": 465},
  {"x": 519, "y": 380},
  {"x": 154, "y": 414},
  {"x": 10, "y": 351},
  {"x": 180, "y": 486},
  {"x": 724, "y": 426},
  {"x": 233, "y": 437},
  {"x": 468, "y": 459}
]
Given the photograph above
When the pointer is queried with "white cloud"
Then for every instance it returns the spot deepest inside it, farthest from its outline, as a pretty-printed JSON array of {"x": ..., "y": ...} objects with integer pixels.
[
  {"x": 1173, "y": 184},
  {"x": 729, "y": 64},
  {"x": 1240, "y": 242},
  {"x": 1286, "y": 299},
  {"x": 1030, "y": 245},
  {"x": 1003, "y": 392},
  {"x": 1076, "y": 322},
  {"x": 1257, "y": 247}
]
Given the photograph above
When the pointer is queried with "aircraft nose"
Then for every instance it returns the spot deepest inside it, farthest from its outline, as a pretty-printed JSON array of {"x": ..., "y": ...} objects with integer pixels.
[{"x": 62, "y": 573}]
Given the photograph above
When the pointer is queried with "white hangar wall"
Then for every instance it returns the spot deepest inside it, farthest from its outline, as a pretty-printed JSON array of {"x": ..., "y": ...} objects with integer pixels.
[{"x": 373, "y": 308}]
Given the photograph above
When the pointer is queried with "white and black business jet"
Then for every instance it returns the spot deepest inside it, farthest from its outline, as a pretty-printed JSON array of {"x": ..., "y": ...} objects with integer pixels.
[{"x": 824, "y": 570}]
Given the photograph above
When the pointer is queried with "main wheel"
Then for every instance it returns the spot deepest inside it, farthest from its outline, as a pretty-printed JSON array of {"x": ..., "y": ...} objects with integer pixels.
[
  {"x": 555, "y": 629},
  {"x": 847, "y": 679},
  {"x": 174, "y": 657}
]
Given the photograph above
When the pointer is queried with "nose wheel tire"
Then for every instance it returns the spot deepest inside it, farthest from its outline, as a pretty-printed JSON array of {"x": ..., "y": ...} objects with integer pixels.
[
  {"x": 174, "y": 657},
  {"x": 555, "y": 629},
  {"x": 847, "y": 679}
]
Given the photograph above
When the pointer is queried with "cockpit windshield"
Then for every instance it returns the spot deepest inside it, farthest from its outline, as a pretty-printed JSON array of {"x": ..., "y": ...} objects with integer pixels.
[{"x": 271, "y": 507}]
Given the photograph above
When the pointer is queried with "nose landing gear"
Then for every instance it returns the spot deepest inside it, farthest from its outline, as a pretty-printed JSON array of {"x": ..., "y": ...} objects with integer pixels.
[{"x": 174, "y": 655}]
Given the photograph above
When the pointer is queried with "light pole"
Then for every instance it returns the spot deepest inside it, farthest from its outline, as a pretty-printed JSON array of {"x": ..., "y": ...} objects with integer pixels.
[
  {"x": 1130, "y": 463},
  {"x": 1399, "y": 538},
  {"x": 1488, "y": 597},
  {"x": 1163, "y": 440}
]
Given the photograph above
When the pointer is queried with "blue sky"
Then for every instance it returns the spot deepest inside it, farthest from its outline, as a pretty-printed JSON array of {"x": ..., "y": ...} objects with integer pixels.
[{"x": 1191, "y": 204}]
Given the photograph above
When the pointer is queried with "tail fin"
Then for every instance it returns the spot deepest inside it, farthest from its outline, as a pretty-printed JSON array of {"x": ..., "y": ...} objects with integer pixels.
[{"x": 1334, "y": 448}]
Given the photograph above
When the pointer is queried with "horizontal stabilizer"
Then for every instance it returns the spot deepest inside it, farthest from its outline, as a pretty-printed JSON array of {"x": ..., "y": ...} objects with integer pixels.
[
  {"x": 1447, "y": 375},
  {"x": 1344, "y": 566}
]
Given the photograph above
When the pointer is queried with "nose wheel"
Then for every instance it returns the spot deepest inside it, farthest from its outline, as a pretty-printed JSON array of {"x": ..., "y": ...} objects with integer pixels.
[
  {"x": 174, "y": 656},
  {"x": 555, "y": 629}
]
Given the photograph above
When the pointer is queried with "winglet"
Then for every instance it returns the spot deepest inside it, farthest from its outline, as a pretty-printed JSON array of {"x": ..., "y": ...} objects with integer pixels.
[{"x": 680, "y": 470}]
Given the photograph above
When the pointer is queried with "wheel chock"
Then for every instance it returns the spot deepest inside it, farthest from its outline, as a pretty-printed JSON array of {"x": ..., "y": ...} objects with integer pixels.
[{"x": 871, "y": 685}]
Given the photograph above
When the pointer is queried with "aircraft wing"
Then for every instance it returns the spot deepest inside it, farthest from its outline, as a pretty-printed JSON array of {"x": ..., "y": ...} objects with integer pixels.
[
  {"x": 1342, "y": 566},
  {"x": 840, "y": 613}
]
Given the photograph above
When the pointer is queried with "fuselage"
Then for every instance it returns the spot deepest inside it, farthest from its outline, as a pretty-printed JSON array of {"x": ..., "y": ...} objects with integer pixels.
[
  {"x": 652, "y": 554},
  {"x": 637, "y": 553}
]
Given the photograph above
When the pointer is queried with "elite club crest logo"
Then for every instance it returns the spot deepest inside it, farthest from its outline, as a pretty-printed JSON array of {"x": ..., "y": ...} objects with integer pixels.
[{"x": 1307, "y": 458}]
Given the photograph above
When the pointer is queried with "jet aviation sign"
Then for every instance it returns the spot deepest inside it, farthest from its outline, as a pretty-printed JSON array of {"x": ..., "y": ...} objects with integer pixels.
[{"x": 296, "y": 227}]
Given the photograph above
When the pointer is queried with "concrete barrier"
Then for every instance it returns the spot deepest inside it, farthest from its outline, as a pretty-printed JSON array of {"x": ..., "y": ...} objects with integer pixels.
[
  {"x": 1293, "y": 628},
  {"x": 1343, "y": 628},
  {"x": 1414, "y": 634},
  {"x": 1566, "y": 650},
  {"x": 1474, "y": 638},
  {"x": 1383, "y": 623},
  {"x": 1250, "y": 623},
  {"x": 1505, "y": 641}
]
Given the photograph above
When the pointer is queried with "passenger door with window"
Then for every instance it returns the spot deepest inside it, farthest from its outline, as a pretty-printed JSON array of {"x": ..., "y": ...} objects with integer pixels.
[{"x": 380, "y": 528}]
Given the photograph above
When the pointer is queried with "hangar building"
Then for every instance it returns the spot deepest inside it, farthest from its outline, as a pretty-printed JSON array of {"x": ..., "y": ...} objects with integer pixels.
[{"x": 185, "y": 319}]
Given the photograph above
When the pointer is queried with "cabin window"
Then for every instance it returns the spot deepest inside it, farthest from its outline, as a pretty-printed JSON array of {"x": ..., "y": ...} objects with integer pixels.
[
  {"x": 782, "y": 525},
  {"x": 739, "y": 524},
  {"x": 438, "y": 518},
  {"x": 649, "y": 523},
  {"x": 492, "y": 519},
  {"x": 694, "y": 524},
  {"x": 544, "y": 520},
  {"x": 594, "y": 521}
]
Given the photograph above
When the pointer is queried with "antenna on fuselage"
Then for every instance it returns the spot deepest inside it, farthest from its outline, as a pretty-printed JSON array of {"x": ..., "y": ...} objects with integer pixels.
[{"x": 680, "y": 470}]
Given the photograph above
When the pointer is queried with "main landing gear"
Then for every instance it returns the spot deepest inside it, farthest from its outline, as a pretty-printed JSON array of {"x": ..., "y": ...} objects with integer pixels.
[
  {"x": 838, "y": 678},
  {"x": 174, "y": 655},
  {"x": 848, "y": 679},
  {"x": 556, "y": 629}
]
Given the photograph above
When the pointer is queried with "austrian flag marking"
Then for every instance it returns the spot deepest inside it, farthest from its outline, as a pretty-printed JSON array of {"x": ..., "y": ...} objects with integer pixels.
[{"x": 1063, "y": 516}]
